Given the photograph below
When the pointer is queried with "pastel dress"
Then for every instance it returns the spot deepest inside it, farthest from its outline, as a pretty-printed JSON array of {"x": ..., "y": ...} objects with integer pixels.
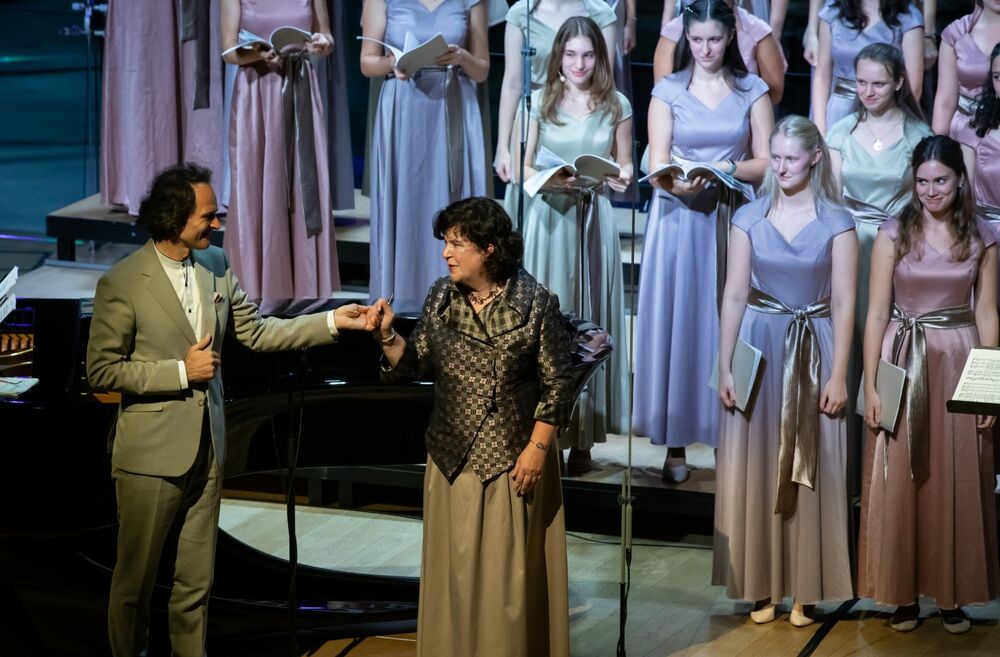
[
  {"x": 677, "y": 325},
  {"x": 803, "y": 552},
  {"x": 154, "y": 75},
  {"x": 279, "y": 229},
  {"x": 577, "y": 255},
  {"x": 933, "y": 534},
  {"x": 750, "y": 31},
  {"x": 427, "y": 152},
  {"x": 987, "y": 173},
  {"x": 972, "y": 66},
  {"x": 875, "y": 189},
  {"x": 846, "y": 43}
]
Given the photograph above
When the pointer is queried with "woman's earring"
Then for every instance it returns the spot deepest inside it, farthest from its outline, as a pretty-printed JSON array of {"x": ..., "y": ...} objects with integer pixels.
[{"x": 561, "y": 78}]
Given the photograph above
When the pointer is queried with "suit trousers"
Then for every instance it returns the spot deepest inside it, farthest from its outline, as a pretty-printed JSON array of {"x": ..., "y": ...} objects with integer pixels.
[{"x": 179, "y": 516}]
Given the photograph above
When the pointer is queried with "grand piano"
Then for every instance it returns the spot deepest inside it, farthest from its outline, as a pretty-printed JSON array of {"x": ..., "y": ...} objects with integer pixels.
[{"x": 58, "y": 527}]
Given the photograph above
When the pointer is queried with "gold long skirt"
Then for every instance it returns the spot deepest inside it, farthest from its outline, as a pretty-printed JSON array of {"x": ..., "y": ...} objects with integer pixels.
[{"x": 493, "y": 569}]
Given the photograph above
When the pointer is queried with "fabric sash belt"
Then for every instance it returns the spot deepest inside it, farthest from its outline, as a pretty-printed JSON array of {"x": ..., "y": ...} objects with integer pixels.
[
  {"x": 988, "y": 212},
  {"x": 966, "y": 104},
  {"x": 798, "y": 446},
  {"x": 911, "y": 331},
  {"x": 729, "y": 201},
  {"x": 300, "y": 144},
  {"x": 845, "y": 88},
  {"x": 195, "y": 26},
  {"x": 454, "y": 118},
  {"x": 864, "y": 212}
]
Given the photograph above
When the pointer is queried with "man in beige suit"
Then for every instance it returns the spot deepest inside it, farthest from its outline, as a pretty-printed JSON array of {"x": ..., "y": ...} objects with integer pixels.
[{"x": 159, "y": 318}]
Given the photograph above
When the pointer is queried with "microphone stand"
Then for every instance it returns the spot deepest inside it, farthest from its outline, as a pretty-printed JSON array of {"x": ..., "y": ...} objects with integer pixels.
[
  {"x": 625, "y": 497},
  {"x": 527, "y": 53}
]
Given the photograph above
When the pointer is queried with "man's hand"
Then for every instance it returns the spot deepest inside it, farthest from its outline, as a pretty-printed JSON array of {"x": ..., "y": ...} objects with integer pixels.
[
  {"x": 352, "y": 317},
  {"x": 201, "y": 362}
]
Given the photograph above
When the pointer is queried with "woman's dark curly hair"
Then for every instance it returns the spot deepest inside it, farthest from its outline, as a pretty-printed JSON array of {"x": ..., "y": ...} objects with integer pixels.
[
  {"x": 986, "y": 112},
  {"x": 483, "y": 221},
  {"x": 947, "y": 151},
  {"x": 700, "y": 11},
  {"x": 170, "y": 201},
  {"x": 853, "y": 15}
]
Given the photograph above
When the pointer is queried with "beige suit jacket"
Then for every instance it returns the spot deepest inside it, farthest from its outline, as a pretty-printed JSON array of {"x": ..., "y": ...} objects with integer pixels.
[{"x": 138, "y": 333}]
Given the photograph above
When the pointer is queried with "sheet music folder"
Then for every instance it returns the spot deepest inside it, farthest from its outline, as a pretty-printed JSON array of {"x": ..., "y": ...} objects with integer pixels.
[
  {"x": 978, "y": 389},
  {"x": 889, "y": 383},
  {"x": 745, "y": 368}
]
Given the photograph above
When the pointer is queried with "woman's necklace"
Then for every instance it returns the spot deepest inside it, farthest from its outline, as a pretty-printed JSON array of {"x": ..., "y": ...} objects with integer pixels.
[
  {"x": 489, "y": 296},
  {"x": 877, "y": 144}
]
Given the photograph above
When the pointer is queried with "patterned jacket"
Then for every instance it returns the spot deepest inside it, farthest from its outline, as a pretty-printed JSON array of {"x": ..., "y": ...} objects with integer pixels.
[{"x": 489, "y": 391}]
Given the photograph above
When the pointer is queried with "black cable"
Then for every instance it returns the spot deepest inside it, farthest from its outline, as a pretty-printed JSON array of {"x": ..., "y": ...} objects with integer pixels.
[{"x": 825, "y": 628}]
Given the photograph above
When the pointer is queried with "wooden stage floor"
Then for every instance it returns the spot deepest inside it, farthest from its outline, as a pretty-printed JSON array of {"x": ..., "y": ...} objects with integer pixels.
[{"x": 673, "y": 608}]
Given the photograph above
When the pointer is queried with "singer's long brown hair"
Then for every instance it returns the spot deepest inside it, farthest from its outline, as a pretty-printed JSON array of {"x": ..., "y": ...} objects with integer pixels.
[
  {"x": 947, "y": 151},
  {"x": 603, "y": 97}
]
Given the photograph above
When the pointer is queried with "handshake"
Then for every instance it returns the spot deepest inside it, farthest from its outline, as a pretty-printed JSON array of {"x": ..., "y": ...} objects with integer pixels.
[{"x": 377, "y": 319}]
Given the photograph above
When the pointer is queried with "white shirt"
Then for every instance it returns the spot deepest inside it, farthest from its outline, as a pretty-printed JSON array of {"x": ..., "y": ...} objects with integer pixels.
[{"x": 181, "y": 275}]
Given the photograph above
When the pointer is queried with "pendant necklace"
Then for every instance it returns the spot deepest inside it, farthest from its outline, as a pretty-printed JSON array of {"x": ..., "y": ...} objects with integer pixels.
[{"x": 877, "y": 144}]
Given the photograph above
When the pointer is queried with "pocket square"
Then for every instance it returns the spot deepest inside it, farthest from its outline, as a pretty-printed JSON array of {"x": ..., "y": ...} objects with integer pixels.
[{"x": 217, "y": 299}]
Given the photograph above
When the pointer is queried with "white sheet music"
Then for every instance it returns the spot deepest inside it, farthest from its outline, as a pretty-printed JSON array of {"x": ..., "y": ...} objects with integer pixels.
[{"x": 980, "y": 380}]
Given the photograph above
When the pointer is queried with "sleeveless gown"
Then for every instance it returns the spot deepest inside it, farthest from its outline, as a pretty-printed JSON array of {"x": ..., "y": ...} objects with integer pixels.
[
  {"x": 410, "y": 156},
  {"x": 552, "y": 243},
  {"x": 677, "y": 325},
  {"x": 266, "y": 236},
  {"x": 804, "y": 554},
  {"x": 935, "y": 537}
]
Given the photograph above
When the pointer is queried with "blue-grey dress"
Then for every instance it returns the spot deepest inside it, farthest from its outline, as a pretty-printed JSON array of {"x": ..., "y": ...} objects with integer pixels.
[
  {"x": 410, "y": 156},
  {"x": 677, "y": 325}
]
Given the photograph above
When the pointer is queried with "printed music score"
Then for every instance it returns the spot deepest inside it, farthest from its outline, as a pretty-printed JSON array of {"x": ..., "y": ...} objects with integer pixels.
[{"x": 978, "y": 390}]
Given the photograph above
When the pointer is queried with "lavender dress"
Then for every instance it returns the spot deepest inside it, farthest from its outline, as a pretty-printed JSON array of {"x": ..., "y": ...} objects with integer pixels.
[
  {"x": 803, "y": 554},
  {"x": 935, "y": 536},
  {"x": 972, "y": 66},
  {"x": 847, "y": 42},
  {"x": 677, "y": 330},
  {"x": 266, "y": 233},
  {"x": 410, "y": 156},
  {"x": 149, "y": 121}
]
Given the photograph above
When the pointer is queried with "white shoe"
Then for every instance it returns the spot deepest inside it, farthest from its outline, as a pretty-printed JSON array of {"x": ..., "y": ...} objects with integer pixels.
[
  {"x": 675, "y": 470},
  {"x": 765, "y": 615},
  {"x": 799, "y": 619}
]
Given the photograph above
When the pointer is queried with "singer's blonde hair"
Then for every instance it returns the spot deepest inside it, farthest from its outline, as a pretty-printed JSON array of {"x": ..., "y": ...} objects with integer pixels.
[{"x": 821, "y": 180}]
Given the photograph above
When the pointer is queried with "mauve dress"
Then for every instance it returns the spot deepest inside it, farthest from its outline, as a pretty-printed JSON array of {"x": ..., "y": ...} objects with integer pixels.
[
  {"x": 148, "y": 118},
  {"x": 935, "y": 537},
  {"x": 972, "y": 66},
  {"x": 677, "y": 326},
  {"x": 846, "y": 43},
  {"x": 804, "y": 554},
  {"x": 409, "y": 183},
  {"x": 750, "y": 30},
  {"x": 265, "y": 230}
]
